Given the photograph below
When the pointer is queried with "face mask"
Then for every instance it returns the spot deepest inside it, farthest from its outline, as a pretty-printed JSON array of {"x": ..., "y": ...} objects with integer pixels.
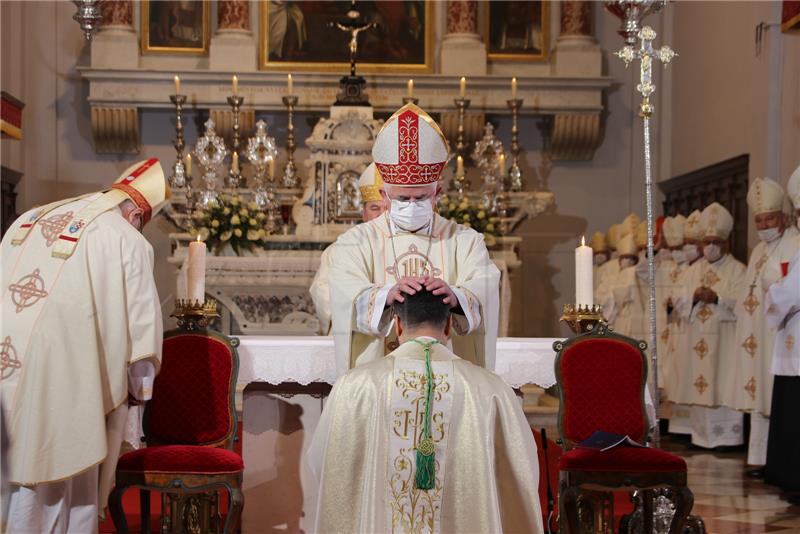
[
  {"x": 679, "y": 255},
  {"x": 411, "y": 215},
  {"x": 600, "y": 259},
  {"x": 691, "y": 252},
  {"x": 769, "y": 235},
  {"x": 712, "y": 252},
  {"x": 626, "y": 262}
]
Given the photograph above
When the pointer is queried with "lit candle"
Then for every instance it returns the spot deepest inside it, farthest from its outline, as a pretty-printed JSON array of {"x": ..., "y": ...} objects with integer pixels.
[
  {"x": 410, "y": 88},
  {"x": 177, "y": 81},
  {"x": 235, "y": 163},
  {"x": 502, "y": 164},
  {"x": 196, "y": 271},
  {"x": 235, "y": 85},
  {"x": 459, "y": 166},
  {"x": 188, "y": 164},
  {"x": 584, "y": 284},
  {"x": 272, "y": 169},
  {"x": 462, "y": 87},
  {"x": 514, "y": 88},
  {"x": 290, "y": 84}
]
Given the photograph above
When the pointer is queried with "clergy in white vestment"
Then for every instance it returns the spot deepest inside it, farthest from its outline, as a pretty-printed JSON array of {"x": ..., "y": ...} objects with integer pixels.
[
  {"x": 82, "y": 335},
  {"x": 707, "y": 302},
  {"x": 752, "y": 389},
  {"x": 408, "y": 248},
  {"x": 625, "y": 306},
  {"x": 422, "y": 441},
  {"x": 608, "y": 272},
  {"x": 370, "y": 186},
  {"x": 679, "y": 352}
]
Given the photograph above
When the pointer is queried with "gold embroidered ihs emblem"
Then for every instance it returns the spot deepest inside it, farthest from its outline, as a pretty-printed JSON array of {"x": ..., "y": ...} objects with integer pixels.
[
  {"x": 704, "y": 313},
  {"x": 700, "y": 384},
  {"x": 27, "y": 291},
  {"x": 750, "y": 345},
  {"x": 750, "y": 387},
  {"x": 8, "y": 359},
  {"x": 701, "y": 348},
  {"x": 413, "y": 263},
  {"x": 751, "y": 303},
  {"x": 53, "y": 226},
  {"x": 789, "y": 342},
  {"x": 710, "y": 278}
]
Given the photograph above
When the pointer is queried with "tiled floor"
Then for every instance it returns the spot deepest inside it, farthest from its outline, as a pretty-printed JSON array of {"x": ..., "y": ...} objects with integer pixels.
[{"x": 727, "y": 500}]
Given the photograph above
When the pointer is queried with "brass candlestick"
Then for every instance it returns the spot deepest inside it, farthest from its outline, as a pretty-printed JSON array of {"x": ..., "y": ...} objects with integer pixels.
[
  {"x": 290, "y": 178},
  {"x": 195, "y": 315},
  {"x": 461, "y": 145},
  {"x": 583, "y": 318},
  {"x": 178, "y": 178},
  {"x": 514, "y": 173},
  {"x": 234, "y": 179}
]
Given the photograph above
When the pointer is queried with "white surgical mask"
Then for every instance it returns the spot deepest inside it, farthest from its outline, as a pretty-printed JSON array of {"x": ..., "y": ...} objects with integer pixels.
[
  {"x": 626, "y": 262},
  {"x": 692, "y": 252},
  {"x": 712, "y": 252},
  {"x": 411, "y": 215},
  {"x": 600, "y": 259},
  {"x": 679, "y": 255},
  {"x": 769, "y": 235}
]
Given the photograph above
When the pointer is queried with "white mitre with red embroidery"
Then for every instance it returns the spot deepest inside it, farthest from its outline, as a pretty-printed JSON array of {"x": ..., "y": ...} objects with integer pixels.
[{"x": 410, "y": 149}]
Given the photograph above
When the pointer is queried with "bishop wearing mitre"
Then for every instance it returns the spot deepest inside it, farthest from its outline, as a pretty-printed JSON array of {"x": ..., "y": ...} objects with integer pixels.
[
  {"x": 706, "y": 361},
  {"x": 752, "y": 391},
  {"x": 409, "y": 248},
  {"x": 82, "y": 335}
]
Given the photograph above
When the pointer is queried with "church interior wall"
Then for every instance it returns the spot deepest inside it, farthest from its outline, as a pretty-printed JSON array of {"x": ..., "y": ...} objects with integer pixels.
[{"x": 59, "y": 159}]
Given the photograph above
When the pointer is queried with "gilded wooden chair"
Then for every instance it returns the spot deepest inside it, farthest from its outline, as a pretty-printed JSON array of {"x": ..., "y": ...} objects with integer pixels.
[
  {"x": 601, "y": 377},
  {"x": 190, "y": 429}
]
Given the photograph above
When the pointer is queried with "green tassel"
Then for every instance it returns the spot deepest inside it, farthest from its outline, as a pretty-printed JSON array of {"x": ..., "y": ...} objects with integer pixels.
[{"x": 425, "y": 476}]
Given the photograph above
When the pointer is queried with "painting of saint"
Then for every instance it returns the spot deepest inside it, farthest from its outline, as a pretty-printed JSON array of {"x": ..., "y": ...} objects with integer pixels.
[
  {"x": 517, "y": 30},
  {"x": 175, "y": 26}
]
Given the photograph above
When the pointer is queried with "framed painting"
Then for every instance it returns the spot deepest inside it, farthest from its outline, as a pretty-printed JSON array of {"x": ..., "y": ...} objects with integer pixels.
[
  {"x": 175, "y": 27},
  {"x": 297, "y": 36},
  {"x": 517, "y": 31}
]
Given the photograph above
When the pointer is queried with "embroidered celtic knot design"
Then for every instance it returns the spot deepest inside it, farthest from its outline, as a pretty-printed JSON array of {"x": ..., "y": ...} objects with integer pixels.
[
  {"x": 701, "y": 349},
  {"x": 8, "y": 359},
  {"x": 700, "y": 384},
  {"x": 750, "y": 387},
  {"x": 53, "y": 226},
  {"x": 750, "y": 345},
  {"x": 27, "y": 291}
]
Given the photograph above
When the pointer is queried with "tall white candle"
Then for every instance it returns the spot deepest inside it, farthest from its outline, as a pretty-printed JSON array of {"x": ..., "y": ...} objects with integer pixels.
[
  {"x": 188, "y": 163},
  {"x": 459, "y": 166},
  {"x": 235, "y": 163},
  {"x": 513, "y": 88},
  {"x": 196, "y": 271},
  {"x": 235, "y": 85},
  {"x": 462, "y": 87},
  {"x": 289, "y": 84},
  {"x": 584, "y": 283},
  {"x": 177, "y": 81},
  {"x": 502, "y": 164},
  {"x": 410, "y": 88}
]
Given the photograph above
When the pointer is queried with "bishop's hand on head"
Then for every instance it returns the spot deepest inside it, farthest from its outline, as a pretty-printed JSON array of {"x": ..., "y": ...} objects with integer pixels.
[
  {"x": 437, "y": 286},
  {"x": 408, "y": 285}
]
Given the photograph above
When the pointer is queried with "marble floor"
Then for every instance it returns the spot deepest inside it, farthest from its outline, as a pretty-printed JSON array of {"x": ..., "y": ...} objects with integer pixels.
[{"x": 728, "y": 501}]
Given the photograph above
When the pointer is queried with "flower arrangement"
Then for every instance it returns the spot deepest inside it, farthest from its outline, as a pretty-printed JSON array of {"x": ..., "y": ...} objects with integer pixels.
[
  {"x": 467, "y": 214},
  {"x": 230, "y": 221}
]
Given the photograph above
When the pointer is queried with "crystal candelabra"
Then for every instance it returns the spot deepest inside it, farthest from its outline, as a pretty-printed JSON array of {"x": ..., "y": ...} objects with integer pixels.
[
  {"x": 290, "y": 178},
  {"x": 234, "y": 178},
  {"x": 210, "y": 152},
  {"x": 261, "y": 152},
  {"x": 179, "y": 178},
  {"x": 461, "y": 144},
  {"x": 514, "y": 172}
]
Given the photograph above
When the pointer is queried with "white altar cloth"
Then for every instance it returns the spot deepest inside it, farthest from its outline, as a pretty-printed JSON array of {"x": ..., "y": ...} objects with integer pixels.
[{"x": 307, "y": 359}]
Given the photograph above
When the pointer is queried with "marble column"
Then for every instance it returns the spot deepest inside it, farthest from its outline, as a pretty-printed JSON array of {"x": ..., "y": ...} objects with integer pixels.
[
  {"x": 115, "y": 46},
  {"x": 576, "y": 51},
  {"x": 463, "y": 50},
  {"x": 233, "y": 47}
]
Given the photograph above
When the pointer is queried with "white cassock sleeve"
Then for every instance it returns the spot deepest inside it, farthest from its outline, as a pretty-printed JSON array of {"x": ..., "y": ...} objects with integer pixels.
[{"x": 783, "y": 297}]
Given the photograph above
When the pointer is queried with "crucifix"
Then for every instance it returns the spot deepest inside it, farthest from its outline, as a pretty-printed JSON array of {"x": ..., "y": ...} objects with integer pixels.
[{"x": 351, "y": 24}]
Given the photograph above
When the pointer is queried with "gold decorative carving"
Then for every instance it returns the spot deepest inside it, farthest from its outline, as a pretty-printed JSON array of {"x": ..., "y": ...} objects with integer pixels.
[
  {"x": 115, "y": 130},
  {"x": 574, "y": 136}
]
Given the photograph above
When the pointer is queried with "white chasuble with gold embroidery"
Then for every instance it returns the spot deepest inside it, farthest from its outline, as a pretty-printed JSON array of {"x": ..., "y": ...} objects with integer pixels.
[
  {"x": 372, "y": 257},
  {"x": 783, "y": 314},
  {"x": 706, "y": 361},
  {"x": 752, "y": 391},
  {"x": 71, "y": 328},
  {"x": 363, "y": 452}
]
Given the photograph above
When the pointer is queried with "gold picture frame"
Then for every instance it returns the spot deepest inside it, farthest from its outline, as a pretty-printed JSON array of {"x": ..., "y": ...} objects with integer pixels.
[
  {"x": 296, "y": 18},
  {"x": 503, "y": 12},
  {"x": 162, "y": 35}
]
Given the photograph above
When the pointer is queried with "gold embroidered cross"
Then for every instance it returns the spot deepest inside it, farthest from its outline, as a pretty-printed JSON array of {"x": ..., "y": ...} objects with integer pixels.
[{"x": 700, "y": 384}]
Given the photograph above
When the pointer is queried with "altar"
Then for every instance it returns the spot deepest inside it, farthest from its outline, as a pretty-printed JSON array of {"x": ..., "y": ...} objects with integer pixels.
[{"x": 285, "y": 380}]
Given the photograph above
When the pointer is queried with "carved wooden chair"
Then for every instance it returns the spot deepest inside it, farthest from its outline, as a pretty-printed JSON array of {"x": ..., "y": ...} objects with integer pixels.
[
  {"x": 190, "y": 429},
  {"x": 601, "y": 377}
]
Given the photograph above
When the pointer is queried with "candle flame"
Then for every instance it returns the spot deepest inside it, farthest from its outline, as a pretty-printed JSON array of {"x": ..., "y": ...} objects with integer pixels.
[
  {"x": 198, "y": 238},
  {"x": 583, "y": 241}
]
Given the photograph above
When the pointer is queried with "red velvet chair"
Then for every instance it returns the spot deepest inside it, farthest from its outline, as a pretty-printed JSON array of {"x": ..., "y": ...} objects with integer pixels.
[
  {"x": 601, "y": 377},
  {"x": 190, "y": 428}
]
